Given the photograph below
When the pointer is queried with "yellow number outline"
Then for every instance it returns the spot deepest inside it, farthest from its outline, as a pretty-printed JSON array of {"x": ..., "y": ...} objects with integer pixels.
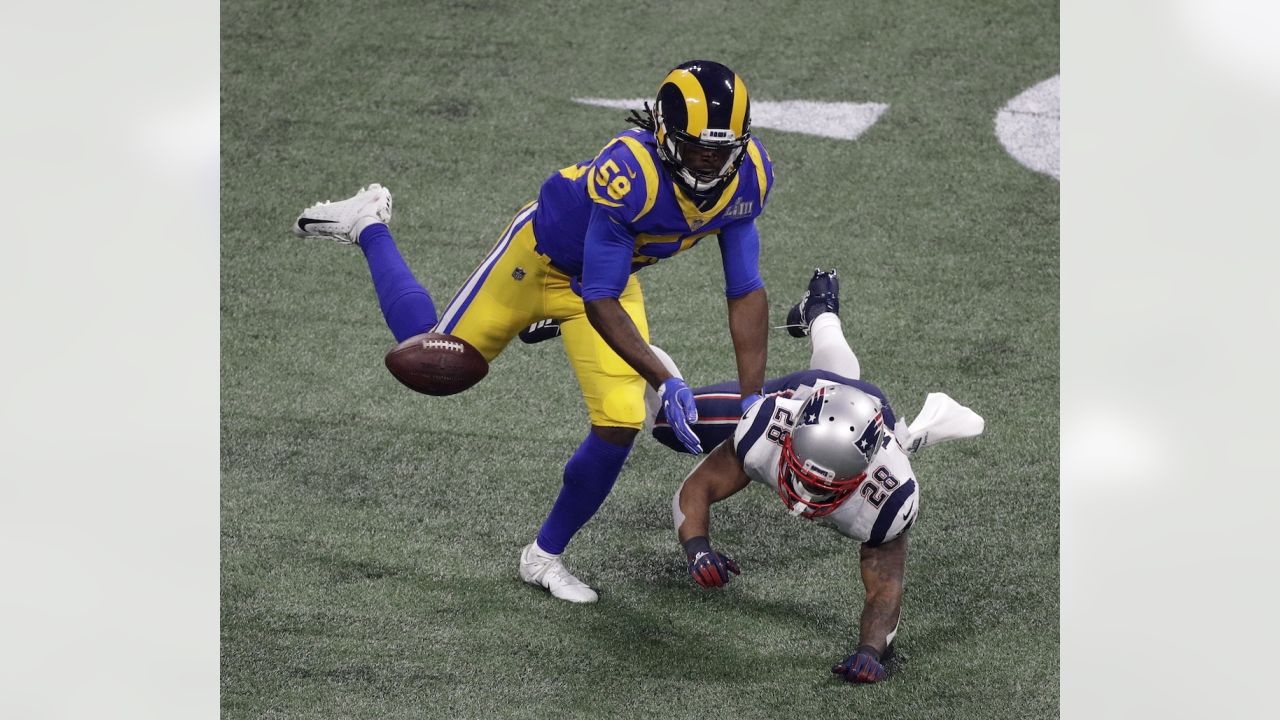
[{"x": 618, "y": 185}]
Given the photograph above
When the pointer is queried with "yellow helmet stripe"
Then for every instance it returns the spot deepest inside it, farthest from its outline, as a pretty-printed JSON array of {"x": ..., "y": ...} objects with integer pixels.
[
  {"x": 739, "y": 116},
  {"x": 648, "y": 169},
  {"x": 695, "y": 99}
]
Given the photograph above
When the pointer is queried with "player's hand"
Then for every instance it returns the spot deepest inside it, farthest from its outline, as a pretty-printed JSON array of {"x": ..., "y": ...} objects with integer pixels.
[
  {"x": 681, "y": 409},
  {"x": 708, "y": 567},
  {"x": 750, "y": 400},
  {"x": 861, "y": 667}
]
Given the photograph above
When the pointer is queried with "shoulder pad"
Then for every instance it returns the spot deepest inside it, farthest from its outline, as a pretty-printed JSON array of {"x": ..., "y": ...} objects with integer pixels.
[{"x": 752, "y": 426}]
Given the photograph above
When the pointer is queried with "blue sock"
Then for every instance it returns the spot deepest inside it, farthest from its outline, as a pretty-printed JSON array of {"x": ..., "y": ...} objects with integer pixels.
[
  {"x": 588, "y": 477},
  {"x": 407, "y": 307}
]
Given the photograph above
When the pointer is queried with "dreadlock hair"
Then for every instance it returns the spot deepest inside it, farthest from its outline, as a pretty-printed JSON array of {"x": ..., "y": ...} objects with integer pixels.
[{"x": 644, "y": 122}]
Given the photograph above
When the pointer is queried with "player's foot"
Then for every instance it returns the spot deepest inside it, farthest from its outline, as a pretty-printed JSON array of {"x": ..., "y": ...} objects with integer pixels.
[
  {"x": 541, "y": 330},
  {"x": 538, "y": 568},
  {"x": 822, "y": 295},
  {"x": 343, "y": 220}
]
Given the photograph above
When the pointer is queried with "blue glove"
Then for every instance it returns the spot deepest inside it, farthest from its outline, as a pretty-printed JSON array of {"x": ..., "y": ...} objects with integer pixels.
[
  {"x": 680, "y": 409},
  {"x": 861, "y": 667},
  {"x": 708, "y": 567},
  {"x": 750, "y": 400}
]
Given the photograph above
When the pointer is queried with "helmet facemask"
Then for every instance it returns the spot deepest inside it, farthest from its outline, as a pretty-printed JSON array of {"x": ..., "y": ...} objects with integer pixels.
[
  {"x": 809, "y": 489},
  {"x": 702, "y": 122},
  {"x": 676, "y": 146},
  {"x": 831, "y": 445}
]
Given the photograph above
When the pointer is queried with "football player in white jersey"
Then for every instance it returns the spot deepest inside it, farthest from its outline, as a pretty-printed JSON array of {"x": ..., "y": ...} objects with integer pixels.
[{"x": 828, "y": 444}]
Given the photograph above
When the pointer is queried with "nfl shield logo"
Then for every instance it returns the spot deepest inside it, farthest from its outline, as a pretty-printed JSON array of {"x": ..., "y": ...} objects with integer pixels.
[
  {"x": 518, "y": 273},
  {"x": 697, "y": 223}
]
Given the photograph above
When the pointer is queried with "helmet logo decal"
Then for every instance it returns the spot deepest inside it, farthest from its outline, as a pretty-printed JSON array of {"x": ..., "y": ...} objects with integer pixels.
[
  {"x": 870, "y": 438},
  {"x": 695, "y": 99},
  {"x": 813, "y": 408},
  {"x": 818, "y": 466}
]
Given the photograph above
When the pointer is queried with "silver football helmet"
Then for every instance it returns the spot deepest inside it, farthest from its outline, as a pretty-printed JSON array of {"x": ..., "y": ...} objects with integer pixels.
[{"x": 826, "y": 455}]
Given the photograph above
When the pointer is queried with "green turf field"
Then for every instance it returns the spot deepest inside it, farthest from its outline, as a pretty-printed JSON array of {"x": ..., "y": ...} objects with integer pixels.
[{"x": 370, "y": 535}]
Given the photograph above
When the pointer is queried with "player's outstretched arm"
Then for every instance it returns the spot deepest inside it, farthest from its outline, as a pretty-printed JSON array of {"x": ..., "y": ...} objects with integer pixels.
[
  {"x": 717, "y": 477},
  {"x": 749, "y": 329},
  {"x": 883, "y": 573},
  {"x": 618, "y": 330}
]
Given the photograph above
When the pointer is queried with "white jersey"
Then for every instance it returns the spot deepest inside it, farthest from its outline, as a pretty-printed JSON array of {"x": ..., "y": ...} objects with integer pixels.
[{"x": 886, "y": 502}]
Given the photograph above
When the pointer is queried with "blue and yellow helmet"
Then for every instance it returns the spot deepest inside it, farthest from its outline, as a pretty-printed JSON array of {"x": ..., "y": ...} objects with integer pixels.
[{"x": 702, "y": 121}]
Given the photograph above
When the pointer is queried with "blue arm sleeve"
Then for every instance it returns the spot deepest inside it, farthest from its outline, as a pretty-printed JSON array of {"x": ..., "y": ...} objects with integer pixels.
[
  {"x": 606, "y": 259},
  {"x": 740, "y": 254}
]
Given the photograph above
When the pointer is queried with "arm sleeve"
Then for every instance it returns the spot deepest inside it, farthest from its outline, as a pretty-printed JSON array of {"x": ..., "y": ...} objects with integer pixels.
[
  {"x": 606, "y": 259},
  {"x": 740, "y": 255}
]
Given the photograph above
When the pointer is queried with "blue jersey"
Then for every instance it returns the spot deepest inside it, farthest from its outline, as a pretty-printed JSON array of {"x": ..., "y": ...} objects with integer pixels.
[{"x": 605, "y": 218}]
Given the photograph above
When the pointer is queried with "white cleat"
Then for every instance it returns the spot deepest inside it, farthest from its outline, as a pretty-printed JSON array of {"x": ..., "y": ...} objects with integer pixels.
[
  {"x": 343, "y": 220},
  {"x": 538, "y": 568}
]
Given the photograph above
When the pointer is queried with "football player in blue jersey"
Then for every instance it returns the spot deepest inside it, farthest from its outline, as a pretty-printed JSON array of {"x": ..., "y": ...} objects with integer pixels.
[
  {"x": 830, "y": 446},
  {"x": 690, "y": 170}
]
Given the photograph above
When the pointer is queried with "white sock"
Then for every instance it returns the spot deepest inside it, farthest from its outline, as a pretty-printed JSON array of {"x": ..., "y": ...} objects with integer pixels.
[
  {"x": 831, "y": 350},
  {"x": 537, "y": 550},
  {"x": 360, "y": 224}
]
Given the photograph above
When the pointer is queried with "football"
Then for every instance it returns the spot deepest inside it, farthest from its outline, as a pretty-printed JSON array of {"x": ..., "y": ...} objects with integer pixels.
[{"x": 437, "y": 364}]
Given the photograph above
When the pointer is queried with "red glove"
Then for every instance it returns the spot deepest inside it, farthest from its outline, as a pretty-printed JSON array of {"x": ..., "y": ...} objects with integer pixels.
[
  {"x": 861, "y": 667},
  {"x": 708, "y": 567}
]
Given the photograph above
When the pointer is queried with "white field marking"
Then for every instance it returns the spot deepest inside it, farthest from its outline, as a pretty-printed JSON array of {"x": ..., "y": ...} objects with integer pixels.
[
  {"x": 1027, "y": 127},
  {"x": 839, "y": 120}
]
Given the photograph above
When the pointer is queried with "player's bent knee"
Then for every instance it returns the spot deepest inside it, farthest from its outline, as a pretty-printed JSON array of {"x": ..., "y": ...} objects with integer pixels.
[
  {"x": 436, "y": 364},
  {"x": 621, "y": 406},
  {"x": 621, "y": 436}
]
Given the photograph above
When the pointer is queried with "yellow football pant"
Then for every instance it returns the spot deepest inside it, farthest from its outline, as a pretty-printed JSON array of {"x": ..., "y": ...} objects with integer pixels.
[{"x": 514, "y": 287}]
